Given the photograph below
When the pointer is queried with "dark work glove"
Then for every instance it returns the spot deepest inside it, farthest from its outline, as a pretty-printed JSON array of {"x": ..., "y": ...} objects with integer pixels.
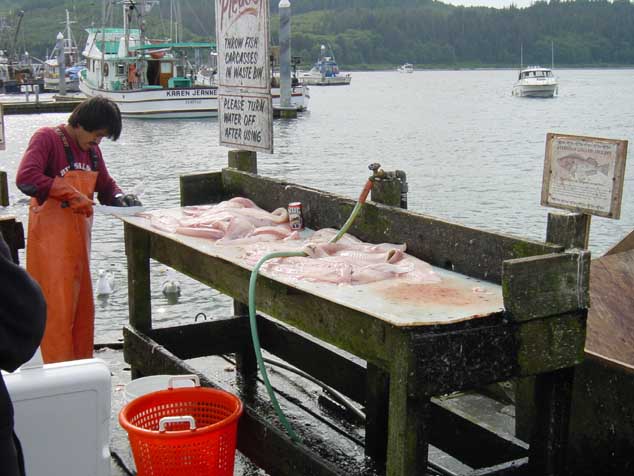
[{"x": 128, "y": 200}]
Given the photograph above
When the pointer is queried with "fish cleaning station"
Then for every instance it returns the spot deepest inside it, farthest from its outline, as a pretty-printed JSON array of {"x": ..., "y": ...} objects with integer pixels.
[
  {"x": 478, "y": 307},
  {"x": 504, "y": 308}
]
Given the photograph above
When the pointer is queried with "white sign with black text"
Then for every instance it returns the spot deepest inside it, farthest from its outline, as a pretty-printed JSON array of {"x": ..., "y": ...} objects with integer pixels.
[
  {"x": 244, "y": 75},
  {"x": 242, "y": 30},
  {"x": 584, "y": 174},
  {"x": 245, "y": 121}
]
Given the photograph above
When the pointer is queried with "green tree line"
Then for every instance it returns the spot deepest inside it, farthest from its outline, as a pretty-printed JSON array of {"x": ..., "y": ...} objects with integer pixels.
[{"x": 377, "y": 33}]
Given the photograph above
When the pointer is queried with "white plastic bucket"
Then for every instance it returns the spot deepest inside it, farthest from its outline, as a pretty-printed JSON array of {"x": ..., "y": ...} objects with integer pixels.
[{"x": 154, "y": 383}]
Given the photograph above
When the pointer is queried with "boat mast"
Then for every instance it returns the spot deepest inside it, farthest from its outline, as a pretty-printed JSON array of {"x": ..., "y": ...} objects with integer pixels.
[
  {"x": 103, "y": 41},
  {"x": 521, "y": 56},
  {"x": 552, "y": 54}
]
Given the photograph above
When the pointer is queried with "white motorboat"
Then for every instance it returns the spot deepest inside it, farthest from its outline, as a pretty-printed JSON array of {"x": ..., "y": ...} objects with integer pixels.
[
  {"x": 146, "y": 80},
  {"x": 536, "y": 81},
  {"x": 406, "y": 68},
  {"x": 325, "y": 72}
]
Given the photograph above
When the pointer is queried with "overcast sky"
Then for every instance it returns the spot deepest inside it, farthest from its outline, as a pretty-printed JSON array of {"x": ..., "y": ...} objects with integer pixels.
[{"x": 491, "y": 3}]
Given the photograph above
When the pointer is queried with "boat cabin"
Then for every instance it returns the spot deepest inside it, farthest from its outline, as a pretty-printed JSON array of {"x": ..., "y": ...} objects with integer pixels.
[{"x": 536, "y": 73}]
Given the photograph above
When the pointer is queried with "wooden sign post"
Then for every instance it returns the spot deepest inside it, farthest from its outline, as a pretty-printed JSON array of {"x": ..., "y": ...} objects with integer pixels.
[{"x": 583, "y": 175}]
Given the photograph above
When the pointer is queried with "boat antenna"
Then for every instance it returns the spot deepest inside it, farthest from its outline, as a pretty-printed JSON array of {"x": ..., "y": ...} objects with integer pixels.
[
  {"x": 552, "y": 54},
  {"x": 521, "y": 56}
]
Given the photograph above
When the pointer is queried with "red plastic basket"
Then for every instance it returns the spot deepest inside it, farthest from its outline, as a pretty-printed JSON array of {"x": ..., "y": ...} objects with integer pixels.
[{"x": 171, "y": 447}]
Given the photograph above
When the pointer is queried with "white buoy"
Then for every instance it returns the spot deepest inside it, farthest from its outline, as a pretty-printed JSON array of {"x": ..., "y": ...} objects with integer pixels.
[{"x": 105, "y": 283}]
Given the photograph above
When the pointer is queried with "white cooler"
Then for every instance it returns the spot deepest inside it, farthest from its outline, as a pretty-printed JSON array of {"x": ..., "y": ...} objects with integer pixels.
[{"x": 62, "y": 416}]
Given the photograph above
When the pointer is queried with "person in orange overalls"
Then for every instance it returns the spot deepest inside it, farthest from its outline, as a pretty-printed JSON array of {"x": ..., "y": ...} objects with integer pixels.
[{"x": 61, "y": 169}]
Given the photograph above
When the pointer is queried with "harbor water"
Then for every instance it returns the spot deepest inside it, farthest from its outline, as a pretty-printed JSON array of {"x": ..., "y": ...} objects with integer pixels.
[{"x": 473, "y": 154}]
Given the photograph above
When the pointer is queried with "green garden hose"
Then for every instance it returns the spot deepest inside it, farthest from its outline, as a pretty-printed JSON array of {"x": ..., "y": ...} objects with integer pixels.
[{"x": 252, "y": 314}]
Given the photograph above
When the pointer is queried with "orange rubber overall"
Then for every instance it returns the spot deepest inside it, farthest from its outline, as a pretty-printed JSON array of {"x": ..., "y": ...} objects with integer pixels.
[{"x": 58, "y": 258}]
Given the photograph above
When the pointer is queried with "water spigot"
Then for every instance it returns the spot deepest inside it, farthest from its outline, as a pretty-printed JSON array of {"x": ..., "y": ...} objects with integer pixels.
[{"x": 377, "y": 171}]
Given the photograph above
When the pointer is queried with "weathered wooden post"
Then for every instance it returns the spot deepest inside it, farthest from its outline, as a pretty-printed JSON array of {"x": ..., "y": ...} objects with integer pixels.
[
  {"x": 4, "y": 189},
  {"x": 389, "y": 188},
  {"x": 246, "y": 363}
]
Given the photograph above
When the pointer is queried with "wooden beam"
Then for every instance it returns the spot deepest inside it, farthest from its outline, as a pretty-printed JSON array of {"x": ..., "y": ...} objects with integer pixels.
[
  {"x": 546, "y": 285},
  {"x": 201, "y": 188}
]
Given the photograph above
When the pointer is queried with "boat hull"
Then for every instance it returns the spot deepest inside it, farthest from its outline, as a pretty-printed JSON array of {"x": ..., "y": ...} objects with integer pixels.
[
  {"x": 175, "y": 103},
  {"x": 535, "y": 91},
  {"x": 333, "y": 81}
]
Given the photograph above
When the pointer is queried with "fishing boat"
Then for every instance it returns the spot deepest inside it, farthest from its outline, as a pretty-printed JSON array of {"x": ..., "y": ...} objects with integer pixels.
[
  {"x": 325, "y": 72},
  {"x": 72, "y": 62},
  {"x": 536, "y": 81},
  {"x": 150, "y": 80},
  {"x": 406, "y": 68}
]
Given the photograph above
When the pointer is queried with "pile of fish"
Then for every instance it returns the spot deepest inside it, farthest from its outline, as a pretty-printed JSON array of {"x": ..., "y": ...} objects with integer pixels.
[
  {"x": 235, "y": 221},
  {"x": 239, "y": 221}
]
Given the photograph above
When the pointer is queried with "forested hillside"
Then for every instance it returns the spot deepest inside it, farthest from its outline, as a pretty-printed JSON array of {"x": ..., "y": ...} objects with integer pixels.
[{"x": 380, "y": 33}]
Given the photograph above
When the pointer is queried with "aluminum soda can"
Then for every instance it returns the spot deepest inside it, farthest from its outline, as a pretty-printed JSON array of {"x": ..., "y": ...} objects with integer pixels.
[{"x": 295, "y": 217}]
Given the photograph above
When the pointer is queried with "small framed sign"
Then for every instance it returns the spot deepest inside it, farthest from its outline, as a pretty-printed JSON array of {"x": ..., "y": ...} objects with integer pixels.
[{"x": 584, "y": 174}]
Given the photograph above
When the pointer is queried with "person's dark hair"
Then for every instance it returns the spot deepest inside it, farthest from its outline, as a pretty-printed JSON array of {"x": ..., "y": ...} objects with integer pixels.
[{"x": 97, "y": 113}]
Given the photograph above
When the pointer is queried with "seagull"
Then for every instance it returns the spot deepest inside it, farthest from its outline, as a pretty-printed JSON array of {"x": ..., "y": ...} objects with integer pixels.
[
  {"x": 105, "y": 283},
  {"x": 171, "y": 287}
]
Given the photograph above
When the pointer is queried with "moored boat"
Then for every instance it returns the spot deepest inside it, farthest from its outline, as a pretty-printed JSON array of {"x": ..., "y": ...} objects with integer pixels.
[
  {"x": 72, "y": 62},
  {"x": 325, "y": 72},
  {"x": 406, "y": 68},
  {"x": 536, "y": 81},
  {"x": 146, "y": 80}
]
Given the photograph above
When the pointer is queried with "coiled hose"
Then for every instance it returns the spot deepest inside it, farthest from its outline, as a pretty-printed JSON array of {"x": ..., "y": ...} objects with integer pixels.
[{"x": 252, "y": 311}]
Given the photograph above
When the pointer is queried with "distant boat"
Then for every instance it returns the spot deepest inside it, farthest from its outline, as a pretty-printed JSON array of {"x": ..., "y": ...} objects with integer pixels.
[
  {"x": 406, "y": 68},
  {"x": 536, "y": 81},
  {"x": 145, "y": 79},
  {"x": 72, "y": 63},
  {"x": 325, "y": 72}
]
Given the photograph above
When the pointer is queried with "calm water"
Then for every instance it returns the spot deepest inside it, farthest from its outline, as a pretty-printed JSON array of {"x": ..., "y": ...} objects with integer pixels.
[{"x": 473, "y": 155}]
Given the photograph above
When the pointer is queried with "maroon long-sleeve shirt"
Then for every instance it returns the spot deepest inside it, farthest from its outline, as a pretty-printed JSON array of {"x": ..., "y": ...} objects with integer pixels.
[{"x": 45, "y": 159}]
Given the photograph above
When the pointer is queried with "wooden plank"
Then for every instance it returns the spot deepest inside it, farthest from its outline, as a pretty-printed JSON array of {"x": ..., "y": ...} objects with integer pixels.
[
  {"x": 409, "y": 423},
  {"x": 137, "y": 249},
  {"x": 512, "y": 468},
  {"x": 546, "y": 285},
  {"x": 4, "y": 189},
  {"x": 224, "y": 336},
  {"x": 469, "y": 251},
  {"x": 570, "y": 230},
  {"x": 550, "y": 344},
  {"x": 458, "y": 359},
  {"x": 307, "y": 354},
  {"x": 377, "y": 410},
  {"x": 553, "y": 394},
  {"x": 201, "y": 188},
  {"x": 602, "y": 419},
  {"x": 451, "y": 433},
  {"x": 610, "y": 323}
]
